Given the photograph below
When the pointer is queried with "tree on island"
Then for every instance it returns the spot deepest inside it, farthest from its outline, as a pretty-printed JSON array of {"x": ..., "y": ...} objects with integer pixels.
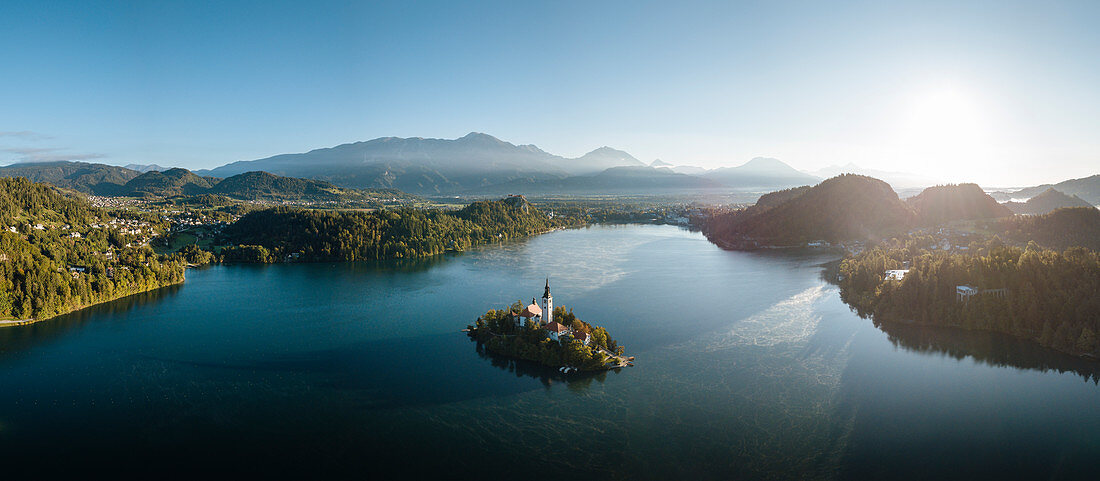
[{"x": 501, "y": 333}]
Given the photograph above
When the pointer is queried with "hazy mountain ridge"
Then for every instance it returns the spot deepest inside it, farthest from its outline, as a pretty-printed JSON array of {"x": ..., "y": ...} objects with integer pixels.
[
  {"x": 1046, "y": 202},
  {"x": 411, "y": 164},
  {"x": 146, "y": 167},
  {"x": 615, "y": 180},
  {"x": 481, "y": 163},
  {"x": 761, "y": 172},
  {"x": 1087, "y": 188},
  {"x": 848, "y": 207}
]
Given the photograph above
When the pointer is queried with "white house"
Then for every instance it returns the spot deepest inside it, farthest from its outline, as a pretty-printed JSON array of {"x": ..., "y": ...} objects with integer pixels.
[
  {"x": 896, "y": 274},
  {"x": 556, "y": 330}
]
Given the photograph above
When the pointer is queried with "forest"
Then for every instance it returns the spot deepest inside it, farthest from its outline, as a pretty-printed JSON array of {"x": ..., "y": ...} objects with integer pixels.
[
  {"x": 56, "y": 255},
  {"x": 1034, "y": 293},
  {"x": 312, "y": 235},
  {"x": 1061, "y": 229},
  {"x": 501, "y": 334}
]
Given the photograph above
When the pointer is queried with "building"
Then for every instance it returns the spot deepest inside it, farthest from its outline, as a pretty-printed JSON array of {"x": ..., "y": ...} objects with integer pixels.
[
  {"x": 548, "y": 304},
  {"x": 556, "y": 330},
  {"x": 582, "y": 336},
  {"x": 896, "y": 274},
  {"x": 530, "y": 312}
]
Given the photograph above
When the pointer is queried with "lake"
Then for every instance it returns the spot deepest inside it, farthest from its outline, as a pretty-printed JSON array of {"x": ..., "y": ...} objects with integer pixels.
[{"x": 748, "y": 365}]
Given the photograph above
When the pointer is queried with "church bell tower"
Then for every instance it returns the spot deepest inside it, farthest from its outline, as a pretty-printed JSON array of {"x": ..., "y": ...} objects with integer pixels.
[{"x": 548, "y": 304}]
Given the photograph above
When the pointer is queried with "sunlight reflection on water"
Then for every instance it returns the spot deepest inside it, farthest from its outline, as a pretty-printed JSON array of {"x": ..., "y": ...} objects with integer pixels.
[{"x": 791, "y": 320}]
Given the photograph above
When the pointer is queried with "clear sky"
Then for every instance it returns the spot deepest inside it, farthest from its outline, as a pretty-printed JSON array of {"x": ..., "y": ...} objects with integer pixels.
[{"x": 1002, "y": 93}]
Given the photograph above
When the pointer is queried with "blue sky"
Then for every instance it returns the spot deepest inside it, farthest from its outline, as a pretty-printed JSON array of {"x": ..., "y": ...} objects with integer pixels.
[{"x": 1002, "y": 93}]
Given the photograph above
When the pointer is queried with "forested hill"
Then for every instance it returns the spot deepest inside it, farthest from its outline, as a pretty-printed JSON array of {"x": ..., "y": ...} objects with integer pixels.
[
  {"x": 61, "y": 257},
  {"x": 169, "y": 183},
  {"x": 108, "y": 180},
  {"x": 841, "y": 208},
  {"x": 97, "y": 179},
  {"x": 274, "y": 234},
  {"x": 945, "y": 203},
  {"x": 1061, "y": 229},
  {"x": 26, "y": 202},
  {"x": 1045, "y": 202},
  {"x": 1042, "y": 295}
]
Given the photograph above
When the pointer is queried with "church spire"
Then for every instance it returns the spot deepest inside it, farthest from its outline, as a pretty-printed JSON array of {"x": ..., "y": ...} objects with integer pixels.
[{"x": 548, "y": 304}]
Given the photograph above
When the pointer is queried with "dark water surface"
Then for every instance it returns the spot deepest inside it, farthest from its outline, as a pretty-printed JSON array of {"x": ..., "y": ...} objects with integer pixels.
[{"x": 748, "y": 366}]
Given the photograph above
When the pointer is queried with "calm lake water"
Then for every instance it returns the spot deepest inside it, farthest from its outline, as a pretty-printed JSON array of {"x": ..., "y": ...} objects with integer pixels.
[{"x": 748, "y": 365}]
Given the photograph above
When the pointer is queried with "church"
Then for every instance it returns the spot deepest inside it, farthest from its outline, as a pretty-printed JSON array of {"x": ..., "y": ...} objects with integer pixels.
[{"x": 544, "y": 316}]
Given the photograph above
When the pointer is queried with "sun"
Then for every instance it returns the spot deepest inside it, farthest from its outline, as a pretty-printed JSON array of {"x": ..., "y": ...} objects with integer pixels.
[{"x": 944, "y": 121}]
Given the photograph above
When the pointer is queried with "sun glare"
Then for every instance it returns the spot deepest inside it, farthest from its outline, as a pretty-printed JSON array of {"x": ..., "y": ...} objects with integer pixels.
[{"x": 942, "y": 126}]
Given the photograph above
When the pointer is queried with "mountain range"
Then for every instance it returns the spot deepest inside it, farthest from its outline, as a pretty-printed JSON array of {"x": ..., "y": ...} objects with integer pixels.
[
  {"x": 481, "y": 163},
  {"x": 108, "y": 180},
  {"x": 1087, "y": 188}
]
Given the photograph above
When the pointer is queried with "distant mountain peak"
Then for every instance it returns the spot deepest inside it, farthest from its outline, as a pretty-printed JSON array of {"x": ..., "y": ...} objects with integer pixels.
[
  {"x": 765, "y": 163},
  {"x": 145, "y": 168},
  {"x": 482, "y": 137},
  {"x": 659, "y": 163}
]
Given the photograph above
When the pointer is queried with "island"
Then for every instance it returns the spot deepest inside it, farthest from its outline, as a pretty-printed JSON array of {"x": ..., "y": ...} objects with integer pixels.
[{"x": 548, "y": 335}]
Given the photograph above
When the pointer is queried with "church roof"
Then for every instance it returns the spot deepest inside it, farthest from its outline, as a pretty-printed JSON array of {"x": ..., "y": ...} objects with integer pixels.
[
  {"x": 546, "y": 295},
  {"x": 555, "y": 327},
  {"x": 531, "y": 311}
]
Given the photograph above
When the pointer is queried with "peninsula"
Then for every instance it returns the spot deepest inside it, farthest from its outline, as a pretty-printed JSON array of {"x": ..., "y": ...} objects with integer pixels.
[
  {"x": 551, "y": 336},
  {"x": 59, "y": 254}
]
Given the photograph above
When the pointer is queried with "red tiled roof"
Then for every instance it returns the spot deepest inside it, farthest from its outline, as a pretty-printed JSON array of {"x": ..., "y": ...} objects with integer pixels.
[
  {"x": 555, "y": 327},
  {"x": 531, "y": 311},
  {"x": 580, "y": 336}
]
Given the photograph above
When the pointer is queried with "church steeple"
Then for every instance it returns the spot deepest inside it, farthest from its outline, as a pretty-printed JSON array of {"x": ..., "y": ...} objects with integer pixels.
[{"x": 548, "y": 304}]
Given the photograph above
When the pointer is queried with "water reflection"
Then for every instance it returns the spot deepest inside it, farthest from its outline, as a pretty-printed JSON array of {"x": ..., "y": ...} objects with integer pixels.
[
  {"x": 989, "y": 348},
  {"x": 14, "y": 340},
  {"x": 403, "y": 266},
  {"x": 575, "y": 381}
]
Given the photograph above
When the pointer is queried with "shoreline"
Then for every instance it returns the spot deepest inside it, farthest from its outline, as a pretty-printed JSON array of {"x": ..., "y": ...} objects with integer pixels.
[
  {"x": 1078, "y": 355},
  {"x": 27, "y": 322},
  {"x": 621, "y": 361}
]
